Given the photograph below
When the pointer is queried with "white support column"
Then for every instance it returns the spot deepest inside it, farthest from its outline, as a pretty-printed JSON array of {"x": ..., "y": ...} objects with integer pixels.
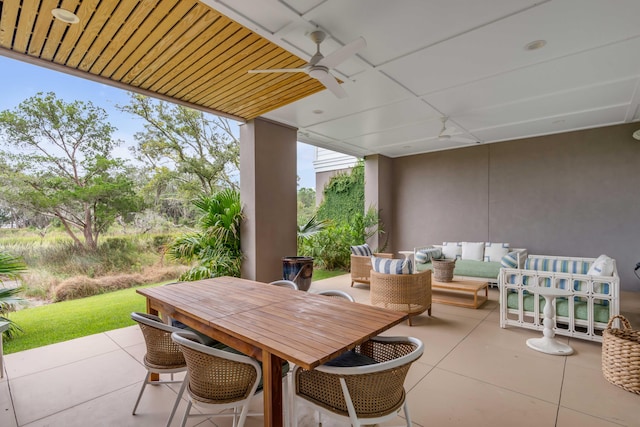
[
  {"x": 268, "y": 192},
  {"x": 378, "y": 185}
]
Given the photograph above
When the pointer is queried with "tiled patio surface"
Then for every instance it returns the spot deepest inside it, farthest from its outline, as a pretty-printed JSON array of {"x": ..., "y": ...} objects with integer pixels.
[{"x": 472, "y": 374}]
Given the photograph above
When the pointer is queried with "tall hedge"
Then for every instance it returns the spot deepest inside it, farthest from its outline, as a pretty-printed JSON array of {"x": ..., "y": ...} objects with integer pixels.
[{"x": 344, "y": 196}]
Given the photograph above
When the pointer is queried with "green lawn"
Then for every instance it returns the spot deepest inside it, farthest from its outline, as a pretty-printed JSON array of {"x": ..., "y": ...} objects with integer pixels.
[
  {"x": 62, "y": 321},
  {"x": 325, "y": 274}
]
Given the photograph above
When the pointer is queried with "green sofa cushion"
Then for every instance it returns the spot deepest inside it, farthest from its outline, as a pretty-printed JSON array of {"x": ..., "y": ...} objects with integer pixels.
[
  {"x": 600, "y": 312},
  {"x": 470, "y": 268}
]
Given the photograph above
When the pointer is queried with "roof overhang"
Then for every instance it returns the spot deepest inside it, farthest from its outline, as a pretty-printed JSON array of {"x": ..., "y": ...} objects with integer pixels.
[{"x": 178, "y": 50}]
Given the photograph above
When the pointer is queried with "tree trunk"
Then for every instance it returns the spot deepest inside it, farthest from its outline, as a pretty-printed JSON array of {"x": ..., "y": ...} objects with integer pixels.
[
  {"x": 88, "y": 230},
  {"x": 69, "y": 230}
]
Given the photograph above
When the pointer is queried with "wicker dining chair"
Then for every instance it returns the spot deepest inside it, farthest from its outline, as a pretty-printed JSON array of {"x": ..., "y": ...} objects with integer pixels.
[
  {"x": 409, "y": 293},
  {"x": 163, "y": 355},
  {"x": 285, "y": 284},
  {"x": 338, "y": 294},
  {"x": 218, "y": 379},
  {"x": 371, "y": 392}
]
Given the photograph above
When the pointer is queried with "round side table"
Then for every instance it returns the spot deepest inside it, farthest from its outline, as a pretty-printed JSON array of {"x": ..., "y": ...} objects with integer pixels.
[{"x": 547, "y": 344}]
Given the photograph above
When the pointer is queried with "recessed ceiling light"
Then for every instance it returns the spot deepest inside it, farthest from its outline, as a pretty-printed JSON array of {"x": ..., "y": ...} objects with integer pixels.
[
  {"x": 535, "y": 45},
  {"x": 636, "y": 135},
  {"x": 317, "y": 111},
  {"x": 65, "y": 16}
]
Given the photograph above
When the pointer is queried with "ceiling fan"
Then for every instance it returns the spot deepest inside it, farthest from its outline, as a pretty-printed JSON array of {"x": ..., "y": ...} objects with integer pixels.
[
  {"x": 319, "y": 66},
  {"x": 446, "y": 133}
]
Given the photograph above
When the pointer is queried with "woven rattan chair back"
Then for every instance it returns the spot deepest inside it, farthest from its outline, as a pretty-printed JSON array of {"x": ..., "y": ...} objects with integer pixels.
[
  {"x": 368, "y": 394},
  {"x": 361, "y": 267},
  {"x": 409, "y": 293},
  {"x": 217, "y": 377},
  {"x": 338, "y": 294},
  {"x": 162, "y": 352},
  {"x": 163, "y": 355}
]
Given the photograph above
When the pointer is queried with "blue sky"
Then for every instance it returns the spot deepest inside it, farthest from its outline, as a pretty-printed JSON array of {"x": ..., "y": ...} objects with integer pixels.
[{"x": 22, "y": 80}]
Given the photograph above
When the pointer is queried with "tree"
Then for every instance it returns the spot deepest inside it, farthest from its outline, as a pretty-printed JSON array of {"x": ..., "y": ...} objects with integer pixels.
[
  {"x": 198, "y": 151},
  {"x": 59, "y": 165},
  {"x": 216, "y": 248},
  {"x": 306, "y": 205}
]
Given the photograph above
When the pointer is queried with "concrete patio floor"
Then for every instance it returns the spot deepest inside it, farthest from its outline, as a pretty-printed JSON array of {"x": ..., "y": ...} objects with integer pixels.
[{"x": 472, "y": 373}]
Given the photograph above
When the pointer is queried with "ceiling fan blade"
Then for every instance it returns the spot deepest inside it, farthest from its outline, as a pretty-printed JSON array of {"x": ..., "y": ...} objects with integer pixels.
[
  {"x": 448, "y": 132},
  {"x": 332, "y": 84},
  {"x": 279, "y": 70},
  {"x": 345, "y": 52}
]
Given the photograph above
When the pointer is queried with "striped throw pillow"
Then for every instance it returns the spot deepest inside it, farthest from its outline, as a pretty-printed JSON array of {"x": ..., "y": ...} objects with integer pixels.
[
  {"x": 391, "y": 266},
  {"x": 424, "y": 256},
  {"x": 361, "y": 250},
  {"x": 510, "y": 260}
]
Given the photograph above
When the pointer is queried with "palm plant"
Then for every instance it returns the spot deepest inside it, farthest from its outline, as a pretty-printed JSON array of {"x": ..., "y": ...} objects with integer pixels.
[
  {"x": 10, "y": 268},
  {"x": 216, "y": 248},
  {"x": 310, "y": 228}
]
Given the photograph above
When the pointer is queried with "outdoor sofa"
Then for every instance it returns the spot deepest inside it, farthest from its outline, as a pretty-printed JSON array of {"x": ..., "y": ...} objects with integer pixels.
[
  {"x": 594, "y": 284},
  {"x": 474, "y": 260}
]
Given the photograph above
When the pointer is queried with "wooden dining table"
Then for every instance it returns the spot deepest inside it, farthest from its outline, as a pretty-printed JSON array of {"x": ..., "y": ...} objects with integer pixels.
[{"x": 272, "y": 324}]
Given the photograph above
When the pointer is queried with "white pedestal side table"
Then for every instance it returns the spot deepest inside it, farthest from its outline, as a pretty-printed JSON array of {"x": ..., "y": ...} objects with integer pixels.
[{"x": 547, "y": 344}]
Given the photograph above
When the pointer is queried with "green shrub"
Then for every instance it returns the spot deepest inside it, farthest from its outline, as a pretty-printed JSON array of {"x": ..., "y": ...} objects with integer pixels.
[
  {"x": 117, "y": 244},
  {"x": 343, "y": 206},
  {"x": 160, "y": 242},
  {"x": 330, "y": 246}
]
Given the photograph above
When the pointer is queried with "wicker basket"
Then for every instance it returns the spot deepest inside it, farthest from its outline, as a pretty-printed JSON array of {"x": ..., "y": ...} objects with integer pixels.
[
  {"x": 621, "y": 355},
  {"x": 443, "y": 269}
]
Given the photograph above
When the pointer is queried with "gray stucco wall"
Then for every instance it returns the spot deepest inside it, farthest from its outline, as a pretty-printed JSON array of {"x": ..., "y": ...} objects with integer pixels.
[{"x": 571, "y": 194}]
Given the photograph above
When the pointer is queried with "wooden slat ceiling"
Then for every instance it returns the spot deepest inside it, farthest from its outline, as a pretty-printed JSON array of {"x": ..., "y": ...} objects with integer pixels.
[{"x": 178, "y": 49}]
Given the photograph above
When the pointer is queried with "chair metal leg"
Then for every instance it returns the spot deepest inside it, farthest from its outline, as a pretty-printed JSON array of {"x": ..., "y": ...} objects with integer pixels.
[
  {"x": 294, "y": 408},
  {"x": 243, "y": 415},
  {"x": 186, "y": 414},
  {"x": 144, "y": 384},
  {"x": 178, "y": 398},
  {"x": 406, "y": 413}
]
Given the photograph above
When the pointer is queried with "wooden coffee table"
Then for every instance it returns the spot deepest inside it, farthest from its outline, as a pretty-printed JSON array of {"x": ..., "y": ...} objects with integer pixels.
[{"x": 461, "y": 293}]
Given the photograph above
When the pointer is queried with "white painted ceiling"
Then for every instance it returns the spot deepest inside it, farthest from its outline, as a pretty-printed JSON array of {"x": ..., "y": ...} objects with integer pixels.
[{"x": 464, "y": 59}]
